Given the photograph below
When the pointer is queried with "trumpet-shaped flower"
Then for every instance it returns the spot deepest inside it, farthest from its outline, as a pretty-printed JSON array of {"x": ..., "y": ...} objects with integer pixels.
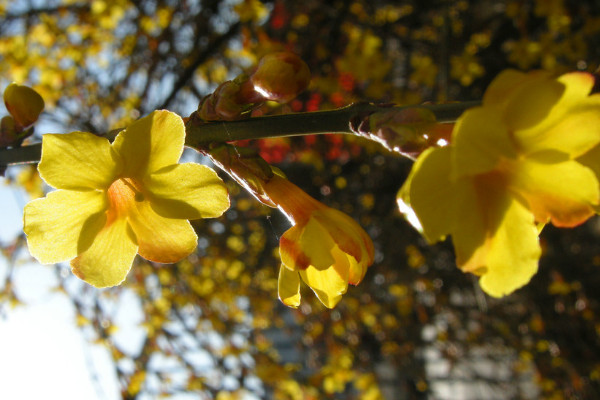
[
  {"x": 325, "y": 248},
  {"x": 514, "y": 162},
  {"x": 121, "y": 199}
]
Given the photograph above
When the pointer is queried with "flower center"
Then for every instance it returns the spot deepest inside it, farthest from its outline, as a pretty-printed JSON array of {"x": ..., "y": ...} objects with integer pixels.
[{"x": 122, "y": 195}]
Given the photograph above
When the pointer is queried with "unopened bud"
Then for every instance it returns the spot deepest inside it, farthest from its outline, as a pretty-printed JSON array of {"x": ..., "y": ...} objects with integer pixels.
[
  {"x": 280, "y": 77},
  {"x": 24, "y": 104},
  {"x": 222, "y": 105},
  {"x": 8, "y": 131},
  {"x": 406, "y": 131}
]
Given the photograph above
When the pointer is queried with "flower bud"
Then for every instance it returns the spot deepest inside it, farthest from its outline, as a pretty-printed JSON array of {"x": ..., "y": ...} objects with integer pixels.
[
  {"x": 24, "y": 104},
  {"x": 222, "y": 104},
  {"x": 8, "y": 132},
  {"x": 280, "y": 77},
  {"x": 408, "y": 131}
]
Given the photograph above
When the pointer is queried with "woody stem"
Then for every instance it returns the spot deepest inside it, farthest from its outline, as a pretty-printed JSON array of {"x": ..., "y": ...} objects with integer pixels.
[{"x": 199, "y": 135}]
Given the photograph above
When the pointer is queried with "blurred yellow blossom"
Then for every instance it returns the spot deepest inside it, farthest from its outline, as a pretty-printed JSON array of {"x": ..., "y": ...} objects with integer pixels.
[
  {"x": 466, "y": 68},
  {"x": 513, "y": 162},
  {"x": 29, "y": 179},
  {"x": 424, "y": 70},
  {"x": 119, "y": 199}
]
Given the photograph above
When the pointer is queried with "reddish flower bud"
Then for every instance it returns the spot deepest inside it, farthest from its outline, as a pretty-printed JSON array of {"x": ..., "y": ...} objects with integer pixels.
[
  {"x": 280, "y": 77},
  {"x": 8, "y": 131},
  {"x": 222, "y": 104},
  {"x": 24, "y": 104}
]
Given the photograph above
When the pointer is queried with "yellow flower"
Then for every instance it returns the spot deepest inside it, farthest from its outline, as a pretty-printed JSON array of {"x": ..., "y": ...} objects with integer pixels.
[
  {"x": 23, "y": 103},
  {"x": 324, "y": 247},
  {"x": 513, "y": 162},
  {"x": 119, "y": 199}
]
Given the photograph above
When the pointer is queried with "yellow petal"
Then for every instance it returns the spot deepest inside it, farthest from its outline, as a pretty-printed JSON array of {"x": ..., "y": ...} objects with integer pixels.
[
  {"x": 403, "y": 201},
  {"x": 289, "y": 287},
  {"x": 480, "y": 139},
  {"x": 77, "y": 160},
  {"x": 109, "y": 259},
  {"x": 347, "y": 267},
  {"x": 591, "y": 159},
  {"x": 353, "y": 251},
  {"x": 513, "y": 253},
  {"x": 346, "y": 233},
  {"x": 578, "y": 86},
  {"x": 327, "y": 284},
  {"x": 23, "y": 103},
  {"x": 151, "y": 143},
  {"x": 471, "y": 214},
  {"x": 498, "y": 241},
  {"x": 572, "y": 131},
  {"x": 432, "y": 193},
  {"x": 317, "y": 244},
  {"x": 532, "y": 101},
  {"x": 54, "y": 224},
  {"x": 161, "y": 239},
  {"x": 356, "y": 271},
  {"x": 187, "y": 191},
  {"x": 290, "y": 252},
  {"x": 499, "y": 91},
  {"x": 564, "y": 192},
  {"x": 572, "y": 126}
]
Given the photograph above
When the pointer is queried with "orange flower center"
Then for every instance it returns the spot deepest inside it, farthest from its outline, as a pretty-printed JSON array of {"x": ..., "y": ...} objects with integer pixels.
[{"x": 122, "y": 196}]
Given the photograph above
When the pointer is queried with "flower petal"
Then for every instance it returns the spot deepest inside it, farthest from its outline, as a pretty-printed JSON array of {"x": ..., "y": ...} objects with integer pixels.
[
  {"x": 151, "y": 143},
  {"x": 346, "y": 233},
  {"x": 161, "y": 239},
  {"x": 564, "y": 192},
  {"x": 55, "y": 224},
  {"x": 290, "y": 252},
  {"x": 77, "y": 160},
  {"x": 187, "y": 191},
  {"x": 347, "y": 267},
  {"x": 327, "y": 284},
  {"x": 289, "y": 287},
  {"x": 480, "y": 139},
  {"x": 572, "y": 126},
  {"x": 497, "y": 239},
  {"x": 432, "y": 192},
  {"x": 317, "y": 244},
  {"x": 578, "y": 86},
  {"x": 109, "y": 259},
  {"x": 471, "y": 210},
  {"x": 532, "y": 101},
  {"x": 591, "y": 159},
  {"x": 356, "y": 271},
  {"x": 499, "y": 91}
]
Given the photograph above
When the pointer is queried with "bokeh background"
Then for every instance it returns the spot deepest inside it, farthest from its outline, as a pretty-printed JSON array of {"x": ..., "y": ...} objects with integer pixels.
[{"x": 211, "y": 326}]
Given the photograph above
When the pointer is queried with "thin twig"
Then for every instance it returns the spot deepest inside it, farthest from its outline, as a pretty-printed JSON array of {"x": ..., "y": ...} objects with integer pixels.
[{"x": 309, "y": 123}]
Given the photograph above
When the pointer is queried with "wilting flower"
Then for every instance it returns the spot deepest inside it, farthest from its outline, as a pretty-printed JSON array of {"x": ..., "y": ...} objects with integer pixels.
[
  {"x": 513, "y": 164},
  {"x": 324, "y": 247},
  {"x": 23, "y": 103},
  {"x": 119, "y": 199}
]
